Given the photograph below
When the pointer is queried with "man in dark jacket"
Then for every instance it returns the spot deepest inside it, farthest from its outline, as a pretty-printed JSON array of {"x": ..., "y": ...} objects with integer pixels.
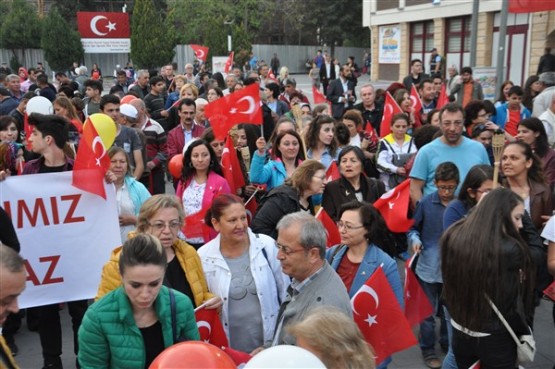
[{"x": 341, "y": 93}]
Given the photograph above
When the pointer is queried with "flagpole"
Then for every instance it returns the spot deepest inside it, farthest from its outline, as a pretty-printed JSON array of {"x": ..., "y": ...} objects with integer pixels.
[
  {"x": 319, "y": 211},
  {"x": 252, "y": 196}
]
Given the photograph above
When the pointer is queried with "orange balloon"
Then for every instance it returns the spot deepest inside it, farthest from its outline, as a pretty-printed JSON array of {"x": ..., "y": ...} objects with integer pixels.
[
  {"x": 193, "y": 355},
  {"x": 127, "y": 99},
  {"x": 175, "y": 166}
]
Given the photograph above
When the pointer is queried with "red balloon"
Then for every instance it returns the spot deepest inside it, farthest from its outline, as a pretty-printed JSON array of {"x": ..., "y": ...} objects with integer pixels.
[
  {"x": 175, "y": 166},
  {"x": 193, "y": 355}
]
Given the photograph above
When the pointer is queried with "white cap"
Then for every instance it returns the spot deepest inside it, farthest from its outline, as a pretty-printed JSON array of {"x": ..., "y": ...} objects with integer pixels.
[{"x": 128, "y": 111}]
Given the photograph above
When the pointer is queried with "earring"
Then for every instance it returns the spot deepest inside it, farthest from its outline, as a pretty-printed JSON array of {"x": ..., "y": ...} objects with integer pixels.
[{"x": 190, "y": 165}]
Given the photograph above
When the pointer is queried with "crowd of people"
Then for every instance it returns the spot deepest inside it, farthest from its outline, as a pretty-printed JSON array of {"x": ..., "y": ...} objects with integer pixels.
[{"x": 272, "y": 279}]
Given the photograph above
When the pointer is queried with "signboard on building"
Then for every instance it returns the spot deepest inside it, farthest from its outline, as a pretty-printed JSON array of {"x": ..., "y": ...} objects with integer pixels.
[
  {"x": 389, "y": 41},
  {"x": 104, "y": 32},
  {"x": 486, "y": 76}
]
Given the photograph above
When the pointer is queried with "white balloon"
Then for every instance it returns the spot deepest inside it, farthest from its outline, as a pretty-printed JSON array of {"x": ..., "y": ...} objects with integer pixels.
[
  {"x": 39, "y": 104},
  {"x": 285, "y": 357}
]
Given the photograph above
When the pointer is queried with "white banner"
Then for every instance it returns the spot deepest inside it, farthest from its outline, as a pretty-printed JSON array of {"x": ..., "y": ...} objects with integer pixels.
[
  {"x": 389, "y": 40},
  {"x": 106, "y": 45},
  {"x": 218, "y": 64},
  {"x": 66, "y": 235}
]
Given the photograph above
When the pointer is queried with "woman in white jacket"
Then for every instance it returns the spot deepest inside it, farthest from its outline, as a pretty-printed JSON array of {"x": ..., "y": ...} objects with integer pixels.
[
  {"x": 394, "y": 150},
  {"x": 242, "y": 268}
]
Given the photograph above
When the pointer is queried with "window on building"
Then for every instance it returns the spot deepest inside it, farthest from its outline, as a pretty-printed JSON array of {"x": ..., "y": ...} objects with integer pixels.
[
  {"x": 458, "y": 35},
  {"x": 421, "y": 39}
]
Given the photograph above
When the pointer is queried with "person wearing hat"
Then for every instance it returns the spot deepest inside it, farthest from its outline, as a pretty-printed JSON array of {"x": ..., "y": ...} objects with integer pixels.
[
  {"x": 7, "y": 102},
  {"x": 543, "y": 100}
]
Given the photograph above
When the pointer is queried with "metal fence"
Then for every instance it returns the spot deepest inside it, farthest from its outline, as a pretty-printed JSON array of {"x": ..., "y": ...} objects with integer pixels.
[{"x": 294, "y": 57}]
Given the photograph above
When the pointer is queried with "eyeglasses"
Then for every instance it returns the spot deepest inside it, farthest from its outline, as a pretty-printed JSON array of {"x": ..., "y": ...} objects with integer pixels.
[
  {"x": 323, "y": 178},
  {"x": 346, "y": 226},
  {"x": 447, "y": 188},
  {"x": 173, "y": 225},
  {"x": 286, "y": 250},
  {"x": 483, "y": 191}
]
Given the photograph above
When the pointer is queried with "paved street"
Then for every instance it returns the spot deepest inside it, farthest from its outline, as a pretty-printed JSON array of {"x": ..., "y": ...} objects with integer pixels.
[{"x": 30, "y": 352}]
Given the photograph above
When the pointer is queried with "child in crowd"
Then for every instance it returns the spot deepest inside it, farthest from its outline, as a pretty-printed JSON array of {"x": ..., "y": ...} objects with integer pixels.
[
  {"x": 424, "y": 237},
  {"x": 510, "y": 113}
]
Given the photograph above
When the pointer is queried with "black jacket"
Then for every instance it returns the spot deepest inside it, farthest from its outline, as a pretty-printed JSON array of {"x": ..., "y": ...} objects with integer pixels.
[
  {"x": 335, "y": 92},
  {"x": 279, "y": 202},
  {"x": 340, "y": 191}
]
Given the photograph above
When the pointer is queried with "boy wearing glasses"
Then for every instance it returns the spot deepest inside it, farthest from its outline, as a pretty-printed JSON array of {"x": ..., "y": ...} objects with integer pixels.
[{"x": 424, "y": 237}]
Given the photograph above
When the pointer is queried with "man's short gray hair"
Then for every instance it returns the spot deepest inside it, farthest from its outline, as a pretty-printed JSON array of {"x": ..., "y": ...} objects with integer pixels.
[
  {"x": 313, "y": 233},
  {"x": 10, "y": 260},
  {"x": 12, "y": 76}
]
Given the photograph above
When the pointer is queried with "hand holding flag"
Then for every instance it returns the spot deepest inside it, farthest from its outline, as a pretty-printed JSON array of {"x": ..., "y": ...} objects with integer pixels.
[{"x": 242, "y": 106}]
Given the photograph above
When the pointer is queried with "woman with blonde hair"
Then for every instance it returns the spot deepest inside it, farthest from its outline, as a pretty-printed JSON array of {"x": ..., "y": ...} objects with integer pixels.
[
  {"x": 162, "y": 216},
  {"x": 334, "y": 338}
]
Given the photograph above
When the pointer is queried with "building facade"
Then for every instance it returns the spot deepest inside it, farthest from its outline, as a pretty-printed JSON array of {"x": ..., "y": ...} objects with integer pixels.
[{"x": 403, "y": 30}]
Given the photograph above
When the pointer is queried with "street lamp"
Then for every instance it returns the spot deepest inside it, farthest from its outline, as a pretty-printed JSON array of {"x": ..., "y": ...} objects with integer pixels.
[{"x": 228, "y": 23}]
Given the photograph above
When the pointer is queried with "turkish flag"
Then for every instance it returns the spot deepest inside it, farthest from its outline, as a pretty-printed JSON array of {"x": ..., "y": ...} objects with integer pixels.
[
  {"x": 195, "y": 227},
  {"x": 201, "y": 52},
  {"x": 238, "y": 357},
  {"x": 229, "y": 63},
  {"x": 390, "y": 109},
  {"x": 103, "y": 25},
  {"x": 242, "y": 106},
  {"x": 417, "y": 305},
  {"x": 250, "y": 206},
  {"x": 443, "y": 98},
  {"x": 334, "y": 238},
  {"x": 530, "y": 6},
  {"x": 333, "y": 172},
  {"x": 232, "y": 167},
  {"x": 210, "y": 327},
  {"x": 394, "y": 207},
  {"x": 91, "y": 162},
  {"x": 378, "y": 314},
  {"x": 319, "y": 97},
  {"x": 415, "y": 99}
]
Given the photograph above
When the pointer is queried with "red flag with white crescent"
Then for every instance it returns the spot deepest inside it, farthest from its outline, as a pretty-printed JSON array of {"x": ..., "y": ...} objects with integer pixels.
[
  {"x": 210, "y": 327},
  {"x": 201, "y": 52},
  {"x": 415, "y": 99},
  {"x": 242, "y": 106},
  {"x": 390, "y": 109},
  {"x": 394, "y": 207},
  {"x": 91, "y": 162},
  {"x": 103, "y": 24},
  {"x": 229, "y": 63},
  {"x": 378, "y": 314}
]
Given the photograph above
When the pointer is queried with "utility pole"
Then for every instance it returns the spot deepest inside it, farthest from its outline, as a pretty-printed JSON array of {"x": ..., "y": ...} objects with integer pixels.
[
  {"x": 501, "y": 47},
  {"x": 474, "y": 33}
]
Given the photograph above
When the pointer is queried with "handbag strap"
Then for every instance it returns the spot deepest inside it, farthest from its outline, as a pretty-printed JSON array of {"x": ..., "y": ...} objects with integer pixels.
[
  {"x": 173, "y": 315},
  {"x": 505, "y": 323}
]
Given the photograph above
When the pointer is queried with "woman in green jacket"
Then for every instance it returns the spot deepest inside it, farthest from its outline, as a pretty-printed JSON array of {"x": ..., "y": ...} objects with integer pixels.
[{"x": 131, "y": 325}]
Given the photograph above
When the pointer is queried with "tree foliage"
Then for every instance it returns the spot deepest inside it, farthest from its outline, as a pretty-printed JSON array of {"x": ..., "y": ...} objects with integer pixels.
[
  {"x": 152, "y": 37},
  {"x": 61, "y": 44},
  {"x": 208, "y": 22},
  {"x": 20, "y": 26}
]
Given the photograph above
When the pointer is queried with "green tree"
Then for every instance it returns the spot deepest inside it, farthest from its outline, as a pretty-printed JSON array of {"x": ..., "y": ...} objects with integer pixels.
[
  {"x": 20, "y": 29},
  {"x": 152, "y": 38},
  {"x": 59, "y": 54},
  {"x": 212, "y": 20}
]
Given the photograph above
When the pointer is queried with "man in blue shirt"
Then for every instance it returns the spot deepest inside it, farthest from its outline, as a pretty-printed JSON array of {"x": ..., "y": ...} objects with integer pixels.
[{"x": 452, "y": 146}]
